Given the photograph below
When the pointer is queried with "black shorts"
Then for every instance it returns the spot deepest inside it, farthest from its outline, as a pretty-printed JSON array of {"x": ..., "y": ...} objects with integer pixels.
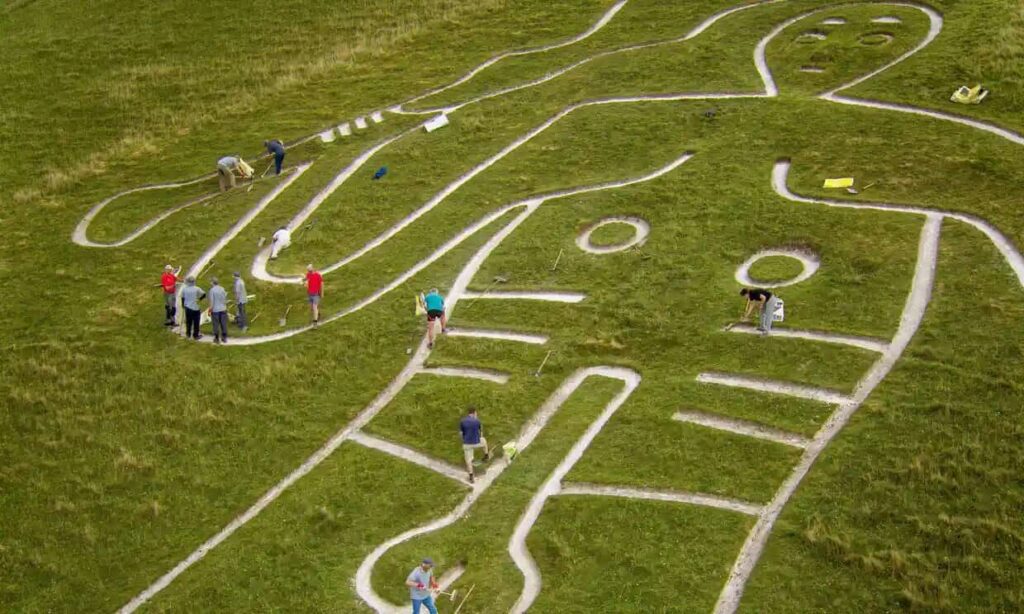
[{"x": 434, "y": 314}]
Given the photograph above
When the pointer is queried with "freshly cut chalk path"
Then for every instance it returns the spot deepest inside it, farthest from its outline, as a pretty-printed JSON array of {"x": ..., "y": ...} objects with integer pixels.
[
  {"x": 823, "y": 395},
  {"x": 742, "y": 427},
  {"x": 733, "y": 505},
  {"x": 864, "y": 343}
]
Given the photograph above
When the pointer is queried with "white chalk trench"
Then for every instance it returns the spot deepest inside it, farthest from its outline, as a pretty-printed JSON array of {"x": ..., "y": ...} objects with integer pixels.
[
  {"x": 641, "y": 230},
  {"x": 807, "y": 259}
]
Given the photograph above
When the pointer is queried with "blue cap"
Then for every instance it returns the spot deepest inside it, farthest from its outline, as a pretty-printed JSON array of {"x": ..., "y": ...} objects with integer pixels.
[{"x": 428, "y": 561}]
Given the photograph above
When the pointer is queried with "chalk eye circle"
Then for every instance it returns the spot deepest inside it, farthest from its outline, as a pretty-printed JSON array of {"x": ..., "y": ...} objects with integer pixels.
[
  {"x": 641, "y": 229},
  {"x": 809, "y": 266}
]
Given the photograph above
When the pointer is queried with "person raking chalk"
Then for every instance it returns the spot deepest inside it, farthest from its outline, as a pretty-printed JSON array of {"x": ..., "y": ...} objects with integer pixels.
[
  {"x": 767, "y": 304},
  {"x": 434, "y": 303},
  {"x": 420, "y": 582},
  {"x": 472, "y": 440},
  {"x": 276, "y": 149}
]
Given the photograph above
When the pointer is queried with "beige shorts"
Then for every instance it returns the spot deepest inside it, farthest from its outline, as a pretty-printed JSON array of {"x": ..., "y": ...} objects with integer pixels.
[{"x": 468, "y": 449}]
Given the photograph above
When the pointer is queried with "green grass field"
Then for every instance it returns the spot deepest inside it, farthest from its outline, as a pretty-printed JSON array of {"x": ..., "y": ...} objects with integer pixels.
[{"x": 124, "y": 447}]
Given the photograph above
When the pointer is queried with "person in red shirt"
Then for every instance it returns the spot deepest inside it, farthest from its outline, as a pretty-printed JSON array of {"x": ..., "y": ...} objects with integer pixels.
[
  {"x": 315, "y": 290},
  {"x": 169, "y": 284}
]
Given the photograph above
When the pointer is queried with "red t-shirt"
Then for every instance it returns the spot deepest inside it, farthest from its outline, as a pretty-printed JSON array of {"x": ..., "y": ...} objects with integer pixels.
[
  {"x": 167, "y": 280},
  {"x": 314, "y": 283}
]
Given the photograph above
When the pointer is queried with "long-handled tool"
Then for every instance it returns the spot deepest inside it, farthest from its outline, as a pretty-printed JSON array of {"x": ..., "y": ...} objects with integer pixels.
[
  {"x": 304, "y": 229},
  {"x": 498, "y": 279},
  {"x": 284, "y": 319},
  {"x": 853, "y": 190},
  {"x": 463, "y": 602},
  {"x": 555, "y": 266},
  {"x": 450, "y": 595},
  {"x": 544, "y": 362},
  {"x": 208, "y": 267}
]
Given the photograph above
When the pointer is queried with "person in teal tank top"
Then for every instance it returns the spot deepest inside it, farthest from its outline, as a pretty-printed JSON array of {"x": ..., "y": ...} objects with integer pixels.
[{"x": 434, "y": 303}]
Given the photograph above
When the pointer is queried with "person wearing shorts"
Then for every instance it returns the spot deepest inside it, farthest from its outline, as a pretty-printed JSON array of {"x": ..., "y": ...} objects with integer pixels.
[
  {"x": 434, "y": 303},
  {"x": 315, "y": 291},
  {"x": 767, "y": 304},
  {"x": 473, "y": 440}
]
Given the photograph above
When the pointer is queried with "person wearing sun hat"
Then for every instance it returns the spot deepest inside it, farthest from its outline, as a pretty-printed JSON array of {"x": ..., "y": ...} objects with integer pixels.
[
  {"x": 420, "y": 582},
  {"x": 169, "y": 283}
]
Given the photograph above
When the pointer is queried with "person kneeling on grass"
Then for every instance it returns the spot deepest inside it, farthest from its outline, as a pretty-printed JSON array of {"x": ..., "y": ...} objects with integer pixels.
[
  {"x": 420, "y": 582},
  {"x": 282, "y": 238},
  {"x": 767, "y": 304},
  {"x": 434, "y": 303},
  {"x": 473, "y": 439}
]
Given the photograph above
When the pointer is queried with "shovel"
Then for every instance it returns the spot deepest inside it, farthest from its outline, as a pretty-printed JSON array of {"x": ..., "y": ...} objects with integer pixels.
[{"x": 284, "y": 319}]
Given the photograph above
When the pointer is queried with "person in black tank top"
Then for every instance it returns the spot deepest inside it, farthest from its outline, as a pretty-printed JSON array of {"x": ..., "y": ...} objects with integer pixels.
[{"x": 760, "y": 298}]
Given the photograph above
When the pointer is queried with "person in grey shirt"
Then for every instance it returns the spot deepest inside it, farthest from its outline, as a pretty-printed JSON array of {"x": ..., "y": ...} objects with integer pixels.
[
  {"x": 191, "y": 294},
  {"x": 219, "y": 311},
  {"x": 421, "y": 583},
  {"x": 240, "y": 300}
]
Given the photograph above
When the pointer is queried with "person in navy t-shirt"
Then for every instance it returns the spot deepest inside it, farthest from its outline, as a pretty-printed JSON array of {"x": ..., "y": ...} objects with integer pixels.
[{"x": 473, "y": 439}]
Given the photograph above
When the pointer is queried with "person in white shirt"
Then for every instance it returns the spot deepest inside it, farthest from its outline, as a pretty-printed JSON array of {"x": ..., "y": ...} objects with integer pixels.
[{"x": 282, "y": 239}]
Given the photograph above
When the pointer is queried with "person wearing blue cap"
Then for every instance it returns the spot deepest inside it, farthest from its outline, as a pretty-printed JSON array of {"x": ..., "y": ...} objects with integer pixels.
[{"x": 420, "y": 582}]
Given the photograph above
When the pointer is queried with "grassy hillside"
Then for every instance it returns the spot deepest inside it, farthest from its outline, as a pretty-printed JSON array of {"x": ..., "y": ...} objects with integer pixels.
[{"x": 122, "y": 448}]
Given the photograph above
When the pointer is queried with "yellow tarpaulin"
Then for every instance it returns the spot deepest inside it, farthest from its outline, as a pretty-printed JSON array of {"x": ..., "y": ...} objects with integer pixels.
[
  {"x": 969, "y": 95},
  {"x": 420, "y": 309},
  {"x": 842, "y": 182}
]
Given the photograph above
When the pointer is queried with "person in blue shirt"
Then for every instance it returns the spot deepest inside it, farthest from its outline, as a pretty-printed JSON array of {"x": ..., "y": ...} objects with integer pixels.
[
  {"x": 421, "y": 582},
  {"x": 473, "y": 440},
  {"x": 434, "y": 303},
  {"x": 275, "y": 148}
]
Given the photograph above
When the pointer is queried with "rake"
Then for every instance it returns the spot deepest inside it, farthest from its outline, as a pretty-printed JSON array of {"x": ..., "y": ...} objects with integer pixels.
[
  {"x": 304, "y": 229},
  {"x": 498, "y": 279}
]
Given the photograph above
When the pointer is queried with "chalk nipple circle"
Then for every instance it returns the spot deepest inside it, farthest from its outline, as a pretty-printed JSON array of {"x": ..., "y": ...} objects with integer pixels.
[
  {"x": 640, "y": 231},
  {"x": 809, "y": 260}
]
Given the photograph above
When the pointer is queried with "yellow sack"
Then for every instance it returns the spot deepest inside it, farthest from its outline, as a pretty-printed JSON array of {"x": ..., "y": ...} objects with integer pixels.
[
  {"x": 843, "y": 182},
  {"x": 969, "y": 95},
  {"x": 420, "y": 309}
]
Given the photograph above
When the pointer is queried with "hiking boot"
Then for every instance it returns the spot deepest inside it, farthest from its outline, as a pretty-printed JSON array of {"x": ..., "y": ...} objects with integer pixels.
[
  {"x": 216, "y": 340},
  {"x": 487, "y": 457},
  {"x": 472, "y": 479},
  {"x": 430, "y": 345},
  {"x": 224, "y": 340},
  {"x": 197, "y": 337}
]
